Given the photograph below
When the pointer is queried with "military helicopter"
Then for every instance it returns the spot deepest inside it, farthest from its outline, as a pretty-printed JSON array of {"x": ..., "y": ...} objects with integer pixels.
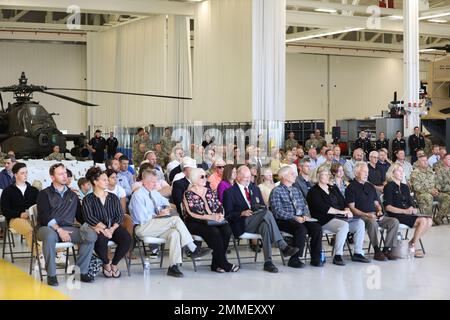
[{"x": 30, "y": 131}]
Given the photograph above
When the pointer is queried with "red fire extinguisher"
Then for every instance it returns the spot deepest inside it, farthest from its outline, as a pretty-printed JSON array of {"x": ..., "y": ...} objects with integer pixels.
[{"x": 382, "y": 3}]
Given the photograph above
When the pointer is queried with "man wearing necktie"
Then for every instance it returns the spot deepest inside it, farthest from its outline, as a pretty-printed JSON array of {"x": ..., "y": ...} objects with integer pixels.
[
  {"x": 245, "y": 211},
  {"x": 151, "y": 214}
]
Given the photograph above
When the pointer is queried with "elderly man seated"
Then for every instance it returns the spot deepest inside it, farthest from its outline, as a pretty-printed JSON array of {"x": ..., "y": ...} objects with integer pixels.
[
  {"x": 152, "y": 217},
  {"x": 362, "y": 199},
  {"x": 291, "y": 211},
  {"x": 246, "y": 212}
]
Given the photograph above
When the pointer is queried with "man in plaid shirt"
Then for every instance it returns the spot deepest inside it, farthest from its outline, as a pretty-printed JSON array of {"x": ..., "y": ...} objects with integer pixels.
[{"x": 292, "y": 214}]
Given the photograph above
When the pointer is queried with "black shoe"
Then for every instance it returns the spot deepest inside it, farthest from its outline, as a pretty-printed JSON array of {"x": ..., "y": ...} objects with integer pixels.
[
  {"x": 270, "y": 267},
  {"x": 199, "y": 252},
  {"x": 360, "y": 258},
  {"x": 289, "y": 251},
  {"x": 87, "y": 278},
  {"x": 316, "y": 263},
  {"x": 255, "y": 248},
  {"x": 337, "y": 260},
  {"x": 296, "y": 263},
  {"x": 52, "y": 281},
  {"x": 173, "y": 271}
]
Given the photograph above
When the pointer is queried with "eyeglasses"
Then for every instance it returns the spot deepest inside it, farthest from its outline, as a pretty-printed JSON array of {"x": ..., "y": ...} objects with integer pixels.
[
  {"x": 220, "y": 167},
  {"x": 202, "y": 177}
]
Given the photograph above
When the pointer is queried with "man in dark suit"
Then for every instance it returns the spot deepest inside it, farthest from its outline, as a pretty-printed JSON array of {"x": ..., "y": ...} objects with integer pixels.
[
  {"x": 416, "y": 142},
  {"x": 246, "y": 212}
]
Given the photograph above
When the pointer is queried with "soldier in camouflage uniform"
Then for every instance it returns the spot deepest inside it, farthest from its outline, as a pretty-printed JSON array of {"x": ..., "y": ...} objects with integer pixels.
[
  {"x": 166, "y": 142},
  {"x": 423, "y": 182},
  {"x": 137, "y": 140},
  {"x": 419, "y": 153},
  {"x": 2, "y": 157},
  {"x": 443, "y": 186},
  {"x": 312, "y": 142},
  {"x": 161, "y": 157},
  {"x": 146, "y": 140},
  {"x": 138, "y": 156},
  {"x": 55, "y": 155},
  {"x": 291, "y": 142}
]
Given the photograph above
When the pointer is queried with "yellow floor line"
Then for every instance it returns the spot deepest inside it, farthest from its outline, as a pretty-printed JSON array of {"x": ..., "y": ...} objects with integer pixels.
[{"x": 15, "y": 284}]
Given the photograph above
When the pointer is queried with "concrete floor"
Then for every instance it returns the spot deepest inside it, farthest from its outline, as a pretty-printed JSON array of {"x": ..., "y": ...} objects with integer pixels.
[{"x": 425, "y": 278}]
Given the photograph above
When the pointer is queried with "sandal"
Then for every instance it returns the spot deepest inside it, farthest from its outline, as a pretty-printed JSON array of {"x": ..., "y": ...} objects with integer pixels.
[
  {"x": 107, "y": 273},
  {"x": 219, "y": 270},
  {"x": 116, "y": 273},
  {"x": 235, "y": 268}
]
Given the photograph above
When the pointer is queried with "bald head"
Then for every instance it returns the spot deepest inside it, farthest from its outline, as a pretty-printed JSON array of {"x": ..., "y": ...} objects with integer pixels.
[{"x": 243, "y": 176}]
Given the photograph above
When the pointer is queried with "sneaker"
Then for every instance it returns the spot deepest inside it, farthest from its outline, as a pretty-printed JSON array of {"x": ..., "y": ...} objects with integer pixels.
[
  {"x": 173, "y": 271},
  {"x": 360, "y": 258},
  {"x": 52, "y": 281},
  {"x": 270, "y": 267},
  {"x": 337, "y": 260},
  {"x": 61, "y": 258},
  {"x": 289, "y": 251},
  {"x": 199, "y": 252}
]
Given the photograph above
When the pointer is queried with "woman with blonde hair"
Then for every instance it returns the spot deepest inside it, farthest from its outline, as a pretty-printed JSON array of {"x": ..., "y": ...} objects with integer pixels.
[
  {"x": 398, "y": 204},
  {"x": 337, "y": 170},
  {"x": 267, "y": 183}
]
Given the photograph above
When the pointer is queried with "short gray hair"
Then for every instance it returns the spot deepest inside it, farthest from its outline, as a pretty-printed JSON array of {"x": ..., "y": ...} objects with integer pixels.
[
  {"x": 359, "y": 165},
  {"x": 195, "y": 174},
  {"x": 284, "y": 171}
]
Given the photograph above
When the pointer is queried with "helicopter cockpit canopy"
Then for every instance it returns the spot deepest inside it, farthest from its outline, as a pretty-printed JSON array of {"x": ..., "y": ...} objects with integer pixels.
[{"x": 34, "y": 116}]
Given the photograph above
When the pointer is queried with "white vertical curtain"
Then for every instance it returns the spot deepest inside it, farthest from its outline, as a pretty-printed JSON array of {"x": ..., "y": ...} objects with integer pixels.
[
  {"x": 222, "y": 61},
  {"x": 146, "y": 56},
  {"x": 269, "y": 68}
]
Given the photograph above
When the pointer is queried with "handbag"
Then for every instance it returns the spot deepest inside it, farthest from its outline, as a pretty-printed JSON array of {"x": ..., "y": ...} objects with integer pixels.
[
  {"x": 401, "y": 251},
  {"x": 95, "y": 266}
]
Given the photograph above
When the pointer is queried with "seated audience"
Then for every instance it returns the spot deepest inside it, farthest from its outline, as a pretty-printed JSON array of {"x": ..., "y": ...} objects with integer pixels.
[
  {"x": 327, "y": 205},
  {"x": 228, "y": 178},
  {"x": 338, "y": 177},
  {"x": 201, "y": 208},
  {"x": 358, "y": 155},
  {"x": 302, "y": 181},
  {"x": 424, "y": 184},
  {"x": 399, "y": 204},
  {"x": 215, "y": 178},
  {"x": 124, "y": 176},
  {"x": 407, "y": 167},
  {"x": 383, "y": 162},
  {"x": 152, "y": 214},
  {"x": 57, "y": 208},
  {"x": 16, "y": 200},
  {"x": 103, "y": 212},
  {"x": 6, "y": 175},
  {"x": 245, "y": 211},
  {"x": 443, "y": 186},
  {"x": 375, "y": 173},
  {"x": 267, "y": 184},
  {"x": 362, "y": 199},
  {"x": 55, "y": 155},
  {"x": 84, "y": 188},
  {"x": 337, "y": 155},
  {"x": 291, "y": 211}
]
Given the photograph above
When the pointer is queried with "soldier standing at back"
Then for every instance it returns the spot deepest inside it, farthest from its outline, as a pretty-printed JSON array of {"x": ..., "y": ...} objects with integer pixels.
[
  {"x": 416, "y": 141},
  {"x": 111, "y": 145},
  {"x": 311, "y": 142},
  {"x": 291, "y": 142},
  {"x": 428, "y": 147},
  {"x": 137, "y": 140},
  {"x": 364, "y": 143},
  {"x": 382, "y": 142},
  {"x": 166, "y": 141},
  {"x": 97, "y": 146},
  {"x": 423, "y": 182},
  {"x": 321, "y": 140},
  {"x": 397, "y": 144}
]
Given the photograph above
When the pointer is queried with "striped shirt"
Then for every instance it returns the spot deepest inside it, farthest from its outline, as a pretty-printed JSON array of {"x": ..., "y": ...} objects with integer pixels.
[{"x": 108, "y": 214}]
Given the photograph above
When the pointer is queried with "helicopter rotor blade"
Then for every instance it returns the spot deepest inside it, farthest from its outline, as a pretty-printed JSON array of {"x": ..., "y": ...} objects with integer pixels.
[
  {"x": 121, "y": 92},
  {"x": 84, "y": 103}
]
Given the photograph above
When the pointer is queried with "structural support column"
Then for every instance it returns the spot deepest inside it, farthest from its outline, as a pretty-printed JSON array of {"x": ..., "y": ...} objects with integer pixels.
[
  {"x": 269, "y": 70},
  {"x": 411, "y": 65}
]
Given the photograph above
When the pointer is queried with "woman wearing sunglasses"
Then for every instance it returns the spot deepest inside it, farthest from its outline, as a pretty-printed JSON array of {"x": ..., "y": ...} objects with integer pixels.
[{"x": 203, "y": 215}]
